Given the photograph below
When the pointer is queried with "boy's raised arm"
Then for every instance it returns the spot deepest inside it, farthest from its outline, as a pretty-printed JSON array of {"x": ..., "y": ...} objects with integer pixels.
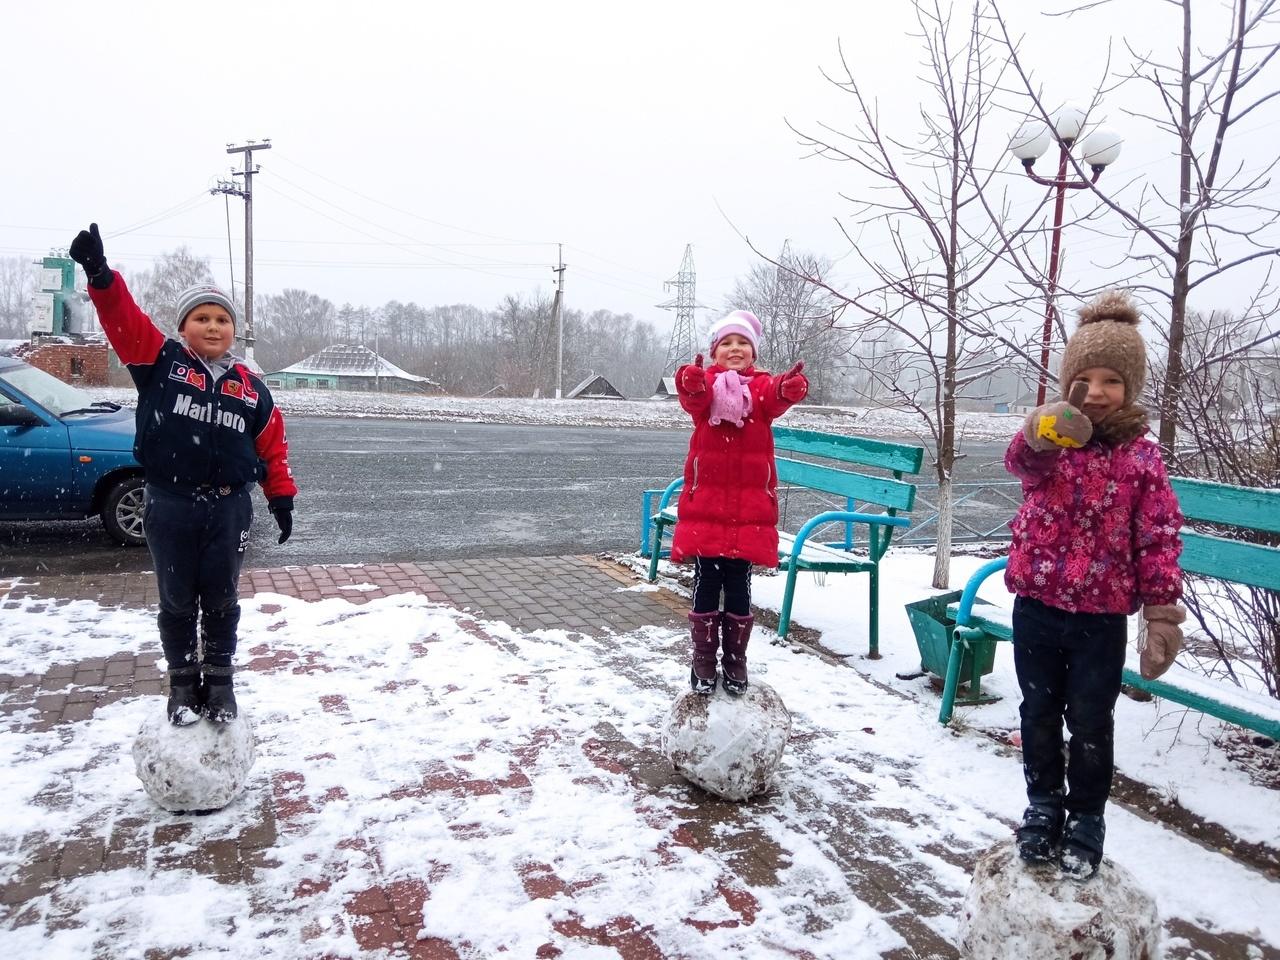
[{"x": 131, "y": 333}]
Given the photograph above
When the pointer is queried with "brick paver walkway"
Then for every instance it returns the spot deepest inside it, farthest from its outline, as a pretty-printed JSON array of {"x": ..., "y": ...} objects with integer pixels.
[{"x": 580, "y": 594}]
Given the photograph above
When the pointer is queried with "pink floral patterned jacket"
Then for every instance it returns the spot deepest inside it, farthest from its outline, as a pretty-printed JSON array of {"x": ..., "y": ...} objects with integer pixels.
[{"x": 1097, "y": 531}]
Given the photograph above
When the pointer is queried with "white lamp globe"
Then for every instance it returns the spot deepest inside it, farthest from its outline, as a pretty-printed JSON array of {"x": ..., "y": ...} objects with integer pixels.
[
  {"x": 1030, "y": 142},
  {"x": 1101, "y": 148},
  {"x": 1068, "y": 121}
]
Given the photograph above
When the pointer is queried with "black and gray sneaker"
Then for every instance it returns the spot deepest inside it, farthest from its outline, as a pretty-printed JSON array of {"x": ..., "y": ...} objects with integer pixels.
[
  {"x": 1082, "y": 845},
  {"x": 1040, "y": 833}
]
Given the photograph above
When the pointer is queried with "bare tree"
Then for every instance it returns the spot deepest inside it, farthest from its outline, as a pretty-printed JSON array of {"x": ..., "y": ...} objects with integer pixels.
[
  {"x": 17, "y": 286},
  {"x": 156, "y": 290},
  {"x": 526, "y": 344},
  {"x": 292, "y": 325},
  {"x": 1218, "y": 220},
  {"x": 626, "y": 352},
  {"x": 1228, "y": 408},
  {"x": 796, "y": 315},
  {"x": 945, "y": 229}
]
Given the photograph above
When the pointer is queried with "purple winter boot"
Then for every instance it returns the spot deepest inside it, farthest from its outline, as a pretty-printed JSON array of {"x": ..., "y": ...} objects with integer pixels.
[
  {"x": 736, "y": 633},
  {"x": 704, "y": 628}
]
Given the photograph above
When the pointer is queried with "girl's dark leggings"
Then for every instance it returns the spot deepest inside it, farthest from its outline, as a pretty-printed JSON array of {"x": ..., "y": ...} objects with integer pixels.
[
  {"x": 1069, "y": 668},
  {"x": 713, "y": 575}
]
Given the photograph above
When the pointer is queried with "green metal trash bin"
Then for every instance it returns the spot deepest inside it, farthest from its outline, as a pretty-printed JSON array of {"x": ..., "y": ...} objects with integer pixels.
[{"x": 935, "y": 631}]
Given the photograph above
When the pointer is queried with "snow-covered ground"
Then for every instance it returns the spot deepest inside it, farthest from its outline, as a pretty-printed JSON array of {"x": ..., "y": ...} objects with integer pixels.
[
  {"x": 373, "y": 719},
  {"x": 400, "y": 694},
  {"x": 1166, "y": 747},
  {"x": 872, "y": 422}
]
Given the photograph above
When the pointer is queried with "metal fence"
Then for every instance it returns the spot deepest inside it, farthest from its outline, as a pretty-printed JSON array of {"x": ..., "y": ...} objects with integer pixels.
[{"x": 981, "y": 512}]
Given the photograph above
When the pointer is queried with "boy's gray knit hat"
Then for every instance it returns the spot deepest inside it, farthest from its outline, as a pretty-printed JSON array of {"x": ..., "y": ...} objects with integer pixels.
[
  {"x": 199, "y": 293},
  {"x": 1107, "y": 337}
]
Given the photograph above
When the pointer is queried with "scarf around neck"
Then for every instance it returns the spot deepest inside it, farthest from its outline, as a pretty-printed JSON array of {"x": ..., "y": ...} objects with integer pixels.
[
  {"x": 730, "y": 399},
  {"x": 1122, "y": 425}
]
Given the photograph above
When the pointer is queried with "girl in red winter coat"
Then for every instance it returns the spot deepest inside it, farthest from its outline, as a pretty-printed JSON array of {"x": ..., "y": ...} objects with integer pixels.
[{"x": 728, "y": 506}]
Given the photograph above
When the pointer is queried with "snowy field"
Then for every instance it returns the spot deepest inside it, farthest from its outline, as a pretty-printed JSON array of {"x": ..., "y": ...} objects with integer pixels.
[
  {"x": 871, "y": 422},
  {"x": 405, "y": 745}
]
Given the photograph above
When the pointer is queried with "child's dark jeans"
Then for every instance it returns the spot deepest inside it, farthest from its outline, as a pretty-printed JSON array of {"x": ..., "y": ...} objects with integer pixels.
[
  {"x": 197, "y": 544},
  {"x": 1068, "y": 668},
  {"x": 714, "y": 575}
]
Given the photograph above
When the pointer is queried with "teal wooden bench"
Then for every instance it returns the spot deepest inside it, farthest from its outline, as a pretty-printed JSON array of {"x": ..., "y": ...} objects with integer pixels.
[
  {"x": 1247, "y": 510},
  {"x": 831, "y": 469}
]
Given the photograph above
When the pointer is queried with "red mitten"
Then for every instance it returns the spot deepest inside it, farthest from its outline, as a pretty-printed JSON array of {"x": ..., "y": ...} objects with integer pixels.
[
  {"x": 691, "y": 378},
  {"x": 793, "y": 385}
]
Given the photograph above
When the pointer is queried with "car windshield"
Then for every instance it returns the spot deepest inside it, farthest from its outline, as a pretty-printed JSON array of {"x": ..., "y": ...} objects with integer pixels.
[{"x": 48, "y": 391}]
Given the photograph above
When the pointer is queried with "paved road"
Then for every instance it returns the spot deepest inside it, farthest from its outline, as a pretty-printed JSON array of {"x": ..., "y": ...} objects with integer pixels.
[{"x": 395, "y": 490}]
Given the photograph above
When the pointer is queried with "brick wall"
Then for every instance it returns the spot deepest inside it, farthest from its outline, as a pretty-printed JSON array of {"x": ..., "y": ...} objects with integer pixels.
[{"x": 84, "y": 364}]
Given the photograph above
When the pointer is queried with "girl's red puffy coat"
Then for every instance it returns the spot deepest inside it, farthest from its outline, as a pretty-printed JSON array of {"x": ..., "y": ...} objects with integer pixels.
[{"x": 729, "y": 503}]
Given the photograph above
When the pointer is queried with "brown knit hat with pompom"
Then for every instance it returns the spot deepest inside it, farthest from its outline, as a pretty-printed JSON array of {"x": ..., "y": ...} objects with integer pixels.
[{"x": 1107, "y": 337}]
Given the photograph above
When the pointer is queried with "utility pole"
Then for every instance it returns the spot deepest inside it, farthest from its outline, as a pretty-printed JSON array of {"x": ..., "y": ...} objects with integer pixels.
[
  {"x": 558, "y": 310},
  {"x": 230, "y": 187}
]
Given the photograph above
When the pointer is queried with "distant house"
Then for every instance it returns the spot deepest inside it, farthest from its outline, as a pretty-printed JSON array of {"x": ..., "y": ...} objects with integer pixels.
[
  {"x": 1025, "y": 403},
  {"x": 666, "y": 389},
  {"x": 595, "y": 387},
  {"x": 349, "y": 367}
]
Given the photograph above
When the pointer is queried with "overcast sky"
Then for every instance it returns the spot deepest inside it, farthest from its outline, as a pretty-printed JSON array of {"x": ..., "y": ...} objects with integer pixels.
[{"x": 438, "y": 152}]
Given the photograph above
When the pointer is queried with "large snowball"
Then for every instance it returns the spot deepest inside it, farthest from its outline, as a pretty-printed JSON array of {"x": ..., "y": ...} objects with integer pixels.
[
  {"x": 202, "y": 767},
  {"x": 730, "y": 746},
  {"x": 1015, "y": 910}
]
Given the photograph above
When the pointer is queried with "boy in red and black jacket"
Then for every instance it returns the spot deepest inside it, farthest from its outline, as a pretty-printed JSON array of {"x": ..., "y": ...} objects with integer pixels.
[{"x": 207, "y": 428}]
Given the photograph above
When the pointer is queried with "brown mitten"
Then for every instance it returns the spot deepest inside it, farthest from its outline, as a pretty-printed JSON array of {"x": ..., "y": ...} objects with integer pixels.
[
  {"x": 1164, "y": 638},
  {"x": 1060, "y": 424}
]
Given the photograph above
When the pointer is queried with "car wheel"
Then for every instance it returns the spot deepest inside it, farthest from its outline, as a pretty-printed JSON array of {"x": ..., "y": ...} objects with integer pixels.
[{"x": 122, "y": 512}]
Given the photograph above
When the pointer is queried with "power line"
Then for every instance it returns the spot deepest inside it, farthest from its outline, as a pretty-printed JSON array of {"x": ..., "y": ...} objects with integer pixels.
[
  {"x": 415, "y": 240},
  {"x": 407, "y": 213},
  {"x": 176, "y": 210},
  {"x": 504, "y": 240},
  {"x": 472, "y": 267}
]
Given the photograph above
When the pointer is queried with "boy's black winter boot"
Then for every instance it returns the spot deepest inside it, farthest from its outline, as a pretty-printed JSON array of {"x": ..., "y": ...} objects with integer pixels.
[
  {"x": 1040, "y": 833},
  {"x": 704, "y": 630},
  {"x": 735, "y": 635},
  {"x": 178, "y": 640},
  {"x": 218, "y": 636},
  {"x": 1082, "y": 845},
  {"x": 183, "y": 708},
  {"x": 219, "y": 695}
]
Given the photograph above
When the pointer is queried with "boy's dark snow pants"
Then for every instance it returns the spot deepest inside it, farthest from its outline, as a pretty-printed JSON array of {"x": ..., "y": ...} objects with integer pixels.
[
  {"x": 1068, "y": 667},
  {"x": 197, "y": 543}
]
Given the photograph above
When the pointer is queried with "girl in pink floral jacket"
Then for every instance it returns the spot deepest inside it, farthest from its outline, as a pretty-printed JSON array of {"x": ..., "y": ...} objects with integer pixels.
[{"x": 1096, "y": 539}]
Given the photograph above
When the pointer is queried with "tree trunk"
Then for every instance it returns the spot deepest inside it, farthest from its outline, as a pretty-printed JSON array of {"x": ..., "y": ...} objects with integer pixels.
[
  {"x": 947, "y": 433},
  {"x": 946, "y": 513}
]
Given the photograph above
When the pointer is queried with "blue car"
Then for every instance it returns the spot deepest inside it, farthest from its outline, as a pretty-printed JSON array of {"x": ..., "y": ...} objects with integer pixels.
[{"x": 64, "y": 455}]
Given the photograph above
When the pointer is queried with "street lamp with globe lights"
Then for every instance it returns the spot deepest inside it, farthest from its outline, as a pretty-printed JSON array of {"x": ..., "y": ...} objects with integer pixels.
[{"x": 1099, "y": 149}]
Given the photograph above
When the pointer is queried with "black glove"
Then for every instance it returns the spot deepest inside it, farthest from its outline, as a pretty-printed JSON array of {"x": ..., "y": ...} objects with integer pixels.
[
  {"x": 282, "y": 509},
  {"x": 86, "y": 250}
]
